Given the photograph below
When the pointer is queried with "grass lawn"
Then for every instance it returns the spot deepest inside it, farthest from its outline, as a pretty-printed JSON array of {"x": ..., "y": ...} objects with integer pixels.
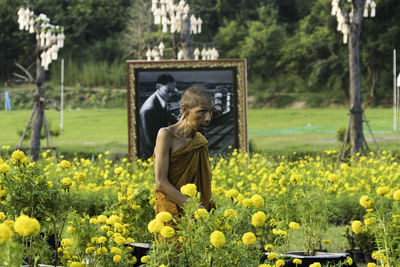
[{"x": 273, "y": 130}]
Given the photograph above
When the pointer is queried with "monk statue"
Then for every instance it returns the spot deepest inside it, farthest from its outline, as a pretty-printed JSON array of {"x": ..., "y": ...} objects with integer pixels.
[{"x": 181, "y": 154}]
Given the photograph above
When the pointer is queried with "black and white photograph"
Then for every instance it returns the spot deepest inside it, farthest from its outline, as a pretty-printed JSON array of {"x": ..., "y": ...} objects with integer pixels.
[{"x": 157, "y": 97}]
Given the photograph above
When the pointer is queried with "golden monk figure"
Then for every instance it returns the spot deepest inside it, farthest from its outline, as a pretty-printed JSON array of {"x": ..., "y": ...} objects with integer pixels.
[{"x": 181, "y": 154}]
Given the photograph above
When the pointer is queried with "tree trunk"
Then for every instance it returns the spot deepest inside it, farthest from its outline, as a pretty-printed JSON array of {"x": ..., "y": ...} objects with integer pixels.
[
  {"x": 356, "y": 127},
  {"x": 186, "y": 40},
  {"x": 37, "y": 121}
]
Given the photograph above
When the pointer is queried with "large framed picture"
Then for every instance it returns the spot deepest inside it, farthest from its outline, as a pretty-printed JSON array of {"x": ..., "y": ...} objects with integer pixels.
[{"x": 154, "y": 89}]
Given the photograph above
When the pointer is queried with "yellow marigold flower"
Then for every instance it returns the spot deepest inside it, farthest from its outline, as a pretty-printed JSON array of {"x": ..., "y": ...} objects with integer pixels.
[
  {"x": 155, "y": 226},
  {"x": 279, "y": 263},
  {"x": 66, "y": 182},
  {"x": 164, "y": 216},
  {"x": 93, "y": 221},
  {"x": 315, "y": 264},
  {"x": 80, "y": 177},
  {"x": 297, "y": 261},
  {"x": 104, "y": 250},
  {"x": 258, "y": 201},
  {"x": 383, "y": 190},
  {"x": 231, "y": 193},
  {"x": 326, "y": 241},
  {"x": 113, "y": 219},
  {"x": 3, "y": 192},
  {"x": 66, "y": 242},
  {"x": 344, "y": 167},
  {"x": 264, "y": 265},
  {"x": 71, "y": 229},
  {"x": 230, "y": 213},
  {"x": 279, "y": 170},
  {"x": 65, "y": 164},
  {"x": 356, "y": 226},
  {"x": 272, "y": 256},
  {"x": 26, "y": 226},
  {"x": 118, "y": 170},
  {"x": 249, "y": 239},
  {"x": 217, "y": 239},
  {"x": 167, "y": 231},
  {"x": 333, "y": 178},
  {"x": 18, "y": 157},
  {"x": 120, "y": 240},
  {"x": 268, "y": 247},
  {"x": 376, "y": 255},
  {"x": 247, "y": 202},
  {"x": 9, "y": 223},
  {"x": 200, "y": 213},
  {"x": 294, "y": 226},
  {"x": 371, "y": 264},
  {"x": 396, "y": 195},
  {"x": 369, "y": 221},
  {"x": 5, "y": 233},
  {"x": 130, "y": 240},
  {"x": 101, "y": 240},
  {"x": 115, "y": 250},
  {"x": 77, "y": 264},
  {"x": 349, "y": 261},
  {"x": 189, "y": 190},
  {"x": 117, "y": 258},
  {"x": 145, "y": 259},
  {"x": 102, "y": 218},
  {"x": 2, "y": 216},
  {"x": 89, "y": 250},
  {"x": 366, "y": 202},
  {"x": 4, "y": 168},
  {"x": 258, "y": 219}
]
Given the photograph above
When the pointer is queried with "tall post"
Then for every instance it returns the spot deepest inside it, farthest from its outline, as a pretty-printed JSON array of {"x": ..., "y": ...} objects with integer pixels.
[
  {"x": 395, "y": 126},
  {"x": 37, "y": 121},
  {"x": 62, "y": 97},
  {"x": 356, "y": 127}
]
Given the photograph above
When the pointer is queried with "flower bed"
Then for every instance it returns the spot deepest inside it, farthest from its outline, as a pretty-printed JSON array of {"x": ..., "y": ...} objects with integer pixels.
[{"x": 95, "y": 208}]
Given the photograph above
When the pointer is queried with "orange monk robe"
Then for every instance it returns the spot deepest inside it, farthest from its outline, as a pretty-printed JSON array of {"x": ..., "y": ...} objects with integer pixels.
[{"x": 188, "y": 165}]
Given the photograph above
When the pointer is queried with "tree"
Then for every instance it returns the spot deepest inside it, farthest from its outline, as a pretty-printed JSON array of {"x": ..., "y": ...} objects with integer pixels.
[{"x": 349, "y": 23}]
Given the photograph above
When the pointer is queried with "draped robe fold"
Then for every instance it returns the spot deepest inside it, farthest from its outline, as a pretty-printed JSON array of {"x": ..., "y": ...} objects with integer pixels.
[{"x": 188, "y": 164}]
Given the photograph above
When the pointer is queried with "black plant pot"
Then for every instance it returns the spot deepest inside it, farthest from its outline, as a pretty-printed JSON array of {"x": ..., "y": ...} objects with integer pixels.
[
  {"x": 139, "y": 250},
  {"x": 322, "y": 257}
]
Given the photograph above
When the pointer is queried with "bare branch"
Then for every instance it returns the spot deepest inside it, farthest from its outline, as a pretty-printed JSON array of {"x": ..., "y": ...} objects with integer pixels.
[
  {"x": 24, "y": 78},
  {"x": 25, "y": 71}
]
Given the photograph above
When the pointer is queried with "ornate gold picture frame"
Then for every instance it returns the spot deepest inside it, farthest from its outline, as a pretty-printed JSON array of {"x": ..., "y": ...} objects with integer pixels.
[{"x": 225, "y": 79}]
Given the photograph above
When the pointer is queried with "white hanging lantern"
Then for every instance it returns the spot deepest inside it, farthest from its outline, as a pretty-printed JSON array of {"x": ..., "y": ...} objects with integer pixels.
[
  {"x": 196, "y": 54},
  {"x": 204, "y": 54},
  {"x": 42, "y": 37},
  {"x": 346, "y": 32},
  {"x": 180, "y": 54},
  {"x": 193, "y": 24},
  {"x": 165, "y": 23},
  {"x": 154, "y": 5},
  {"x": 365, "y": 14},
  {"x": 31, "y": 25},
  {"x": 373, "y": 6},
  {"x": 335, "y": 7},
  {"x": 186, "y": 9},
  {"x": 173, "y": 24},
  {"x": 215, "y": 53},
  {"x": 48, "y": 38},
  {"x": 199, "y": 22},
  {"x": 161, "y": 47},
  {"x": 182, "y": 3},
  {"x": 54, "y": 52},
  {"x": 155, "y": 54},
  {"x": 157, "y": 16},
  {"x": 148, "y": 54}
]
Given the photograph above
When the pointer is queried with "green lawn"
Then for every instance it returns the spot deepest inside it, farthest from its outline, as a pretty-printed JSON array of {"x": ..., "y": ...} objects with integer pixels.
[{"x": 275, "y": 130}]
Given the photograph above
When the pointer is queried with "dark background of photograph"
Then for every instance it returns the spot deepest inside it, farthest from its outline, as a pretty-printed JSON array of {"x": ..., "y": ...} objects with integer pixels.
[{"x": 222, "y": 131}]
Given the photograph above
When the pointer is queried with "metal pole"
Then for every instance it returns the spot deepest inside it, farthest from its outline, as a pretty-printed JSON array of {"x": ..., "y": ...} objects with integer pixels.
[
  {"x": 395, "y": 127},
  {"x": 62, "y": 96}
]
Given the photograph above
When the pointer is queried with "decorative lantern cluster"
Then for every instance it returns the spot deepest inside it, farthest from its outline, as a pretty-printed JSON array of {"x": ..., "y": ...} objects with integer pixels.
[
  {"x": 167, "y": 14},
  {"x": 206, "y": 54},
  {"x": 50, "y": 37},
  {"x": 344, "y": 26}
]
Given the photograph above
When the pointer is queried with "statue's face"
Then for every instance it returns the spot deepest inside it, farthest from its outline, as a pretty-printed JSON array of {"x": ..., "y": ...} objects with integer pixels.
[{"x": 166, "y": 91}]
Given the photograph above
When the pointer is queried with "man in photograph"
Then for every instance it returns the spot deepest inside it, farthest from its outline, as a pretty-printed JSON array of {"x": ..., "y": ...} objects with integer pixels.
[{"x": 155, "y": 114}]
